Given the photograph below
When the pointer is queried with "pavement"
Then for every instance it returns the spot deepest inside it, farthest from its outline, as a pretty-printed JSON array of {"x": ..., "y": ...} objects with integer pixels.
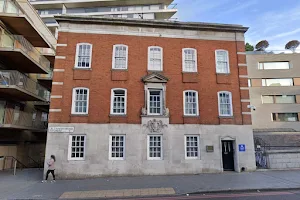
[{"x": 27, "y": 184}]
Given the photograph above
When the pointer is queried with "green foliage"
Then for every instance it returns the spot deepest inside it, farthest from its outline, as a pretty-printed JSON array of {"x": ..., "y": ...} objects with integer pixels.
[{"x": 249, "y": 47}]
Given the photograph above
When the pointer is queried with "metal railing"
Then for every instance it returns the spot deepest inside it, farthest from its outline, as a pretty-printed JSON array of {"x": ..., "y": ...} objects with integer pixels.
[
  {"x": 15, "y": 78},
  {"x": 11, "y": 162},
  {"x": 271, "y": 52},
  {"x": 21, "y": 119},
  {"x": 172, "y": 6},
  {"x": 18, "y": 42}
]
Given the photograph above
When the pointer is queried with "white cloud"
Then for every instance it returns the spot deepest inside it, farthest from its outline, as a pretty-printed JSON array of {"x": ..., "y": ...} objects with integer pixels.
[{"x": 281, "y": 35}]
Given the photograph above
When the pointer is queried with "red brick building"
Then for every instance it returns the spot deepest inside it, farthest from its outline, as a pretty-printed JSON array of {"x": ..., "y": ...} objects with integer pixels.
[{"x": 127, "y": 92}]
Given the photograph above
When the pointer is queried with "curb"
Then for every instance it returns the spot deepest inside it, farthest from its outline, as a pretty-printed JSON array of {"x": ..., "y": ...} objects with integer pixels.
[{"x": 243, "y": 190}]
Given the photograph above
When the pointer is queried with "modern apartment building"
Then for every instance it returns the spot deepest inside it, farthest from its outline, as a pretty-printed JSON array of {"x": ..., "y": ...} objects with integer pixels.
[
  {"x": 154, "y": 97},
  {"x": 24, "y": 101},
  {"x": 275, "y": 93},
  {"x": 142, "y": 9}
]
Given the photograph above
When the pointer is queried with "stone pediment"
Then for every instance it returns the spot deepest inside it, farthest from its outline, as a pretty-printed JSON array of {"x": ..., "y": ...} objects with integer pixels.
[{"x": 155, "y": 78}]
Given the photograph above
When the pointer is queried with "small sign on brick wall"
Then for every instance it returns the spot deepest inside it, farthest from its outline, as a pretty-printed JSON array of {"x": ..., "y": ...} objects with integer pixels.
[{"x": 61, "y": 129}]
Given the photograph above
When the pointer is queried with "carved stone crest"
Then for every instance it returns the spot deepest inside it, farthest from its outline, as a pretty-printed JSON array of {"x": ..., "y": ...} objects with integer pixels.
[{"x": 155, "y": 126}]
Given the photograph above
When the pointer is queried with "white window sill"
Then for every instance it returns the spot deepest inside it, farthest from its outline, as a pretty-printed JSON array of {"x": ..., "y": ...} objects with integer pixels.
[
  {"x": 82, "y": 68},
  {"x": 76, "y": 159},
  {"x": 117, "y": 159},
  {"x": 229, "y": 116},
  {"x": 79, "y": 115},
  {"x": 191, "y": 115},
  {"x": 117, "y": 115}
]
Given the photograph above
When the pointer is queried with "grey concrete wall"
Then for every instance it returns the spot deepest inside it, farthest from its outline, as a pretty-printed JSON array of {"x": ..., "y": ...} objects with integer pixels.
[
  {"x": 97, "y": 161},
  {"x": 284, "y": 159},
  {"x": 261, "y": 117}
]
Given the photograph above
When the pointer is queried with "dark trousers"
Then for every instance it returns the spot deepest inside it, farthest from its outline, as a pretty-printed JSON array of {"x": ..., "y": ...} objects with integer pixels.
[{"x": 48, "y": 172}]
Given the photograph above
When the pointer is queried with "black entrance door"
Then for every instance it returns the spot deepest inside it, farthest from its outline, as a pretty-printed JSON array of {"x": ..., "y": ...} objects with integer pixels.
[{"x": 227, "y": 155}]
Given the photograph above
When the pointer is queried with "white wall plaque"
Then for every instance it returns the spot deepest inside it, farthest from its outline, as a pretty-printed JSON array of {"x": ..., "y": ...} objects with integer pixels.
[{"x": 61, "y": 129}]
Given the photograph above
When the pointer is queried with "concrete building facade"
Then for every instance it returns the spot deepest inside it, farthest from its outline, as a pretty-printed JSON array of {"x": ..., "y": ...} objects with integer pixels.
[
  {"x": 274, "y": 91},
  {"x": 142, "y": 9},
  {"x": 24, "y": 101},
  {"x": 143, "y": 97}
]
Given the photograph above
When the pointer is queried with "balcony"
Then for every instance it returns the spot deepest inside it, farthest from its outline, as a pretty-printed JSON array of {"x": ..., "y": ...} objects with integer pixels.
[
  {"x": 20, "y": 22},
  {"x": 15, "y": 85},
  {"x": 45, "y": 80},
  {"x": 16, "y": 119},
  {"x": 17, "y": 53}
]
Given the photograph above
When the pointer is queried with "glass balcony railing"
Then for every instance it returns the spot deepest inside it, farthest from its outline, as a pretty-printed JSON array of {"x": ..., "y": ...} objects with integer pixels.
[
  {"x": 21, "y": 119},
  {"x": 10, "y": 7},
  {"x": 45, "y": 76},
  {"x": 15, "y": 78},
  {"x": 18, "y": 42}
]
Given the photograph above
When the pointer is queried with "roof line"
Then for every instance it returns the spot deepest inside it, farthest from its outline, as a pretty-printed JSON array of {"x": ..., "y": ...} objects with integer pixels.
[{"x": 154, "y": 23}]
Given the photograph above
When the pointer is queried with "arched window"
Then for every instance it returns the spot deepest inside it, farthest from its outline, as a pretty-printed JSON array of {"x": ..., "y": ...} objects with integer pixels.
[
  {"x": 190, "y": 102},
  {"x": 118, "y": 101},
  {"x": 83, "y": 55},
  {"x": 120, "y": 56},
  {"x": 155, "y": 58},
  {"x": 225, "y": 103},
  {"x": 222, "y": 62},
  {"x": 189, "y": 60},
  {"x": 80, "y": 100}
]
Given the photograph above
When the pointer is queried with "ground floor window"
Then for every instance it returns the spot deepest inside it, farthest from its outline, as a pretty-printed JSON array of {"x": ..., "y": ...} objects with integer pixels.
[
  {"x": 77, "y": 147},
  {"x": 117, "y": 147},
  {"x": 191, "y": 146},
  {"x": 154, "y": 147}
]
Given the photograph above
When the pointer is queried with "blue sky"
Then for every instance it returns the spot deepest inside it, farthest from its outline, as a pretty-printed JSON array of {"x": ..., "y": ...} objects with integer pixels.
[{"x": 277, "y": 21}]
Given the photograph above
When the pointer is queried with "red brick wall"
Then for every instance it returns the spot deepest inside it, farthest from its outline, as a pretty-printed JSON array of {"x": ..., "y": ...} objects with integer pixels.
[{"x": 101, "y": 78}]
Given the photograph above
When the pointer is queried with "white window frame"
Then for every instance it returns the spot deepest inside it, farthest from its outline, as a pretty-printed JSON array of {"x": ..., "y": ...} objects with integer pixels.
[
  {"x": 161, "y": 101},
  {"x": 219, "y": 107},
  {"x": 113, "y": 56},
  {"x": 70, "y": 148},
  {"x": 185, "y": 146},
  {"x": 112, "y": 101},
  {"x": 77, "y": 52},
  {"x": 161, "y": 58},
  {"x": 197, "y": 103},
  {"x": 73, "y": 101},
  {"x": 110, "y": 147},
  {"x": 183, "y": 60},
  {"x": 216, "y": 60},
  {"x": 148, "y": 148}
]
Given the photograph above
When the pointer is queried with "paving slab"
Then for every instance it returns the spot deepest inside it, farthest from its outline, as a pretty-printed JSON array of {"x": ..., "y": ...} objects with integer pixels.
[{"x": 27, "y": 184}]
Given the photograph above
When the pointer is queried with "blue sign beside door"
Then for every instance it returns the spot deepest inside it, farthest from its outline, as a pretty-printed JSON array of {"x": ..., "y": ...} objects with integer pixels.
[{"x": 242, "y": 147}]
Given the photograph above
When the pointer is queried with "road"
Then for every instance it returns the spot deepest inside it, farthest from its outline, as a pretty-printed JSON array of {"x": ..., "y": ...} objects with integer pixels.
[{"x": 278, "y": 195}]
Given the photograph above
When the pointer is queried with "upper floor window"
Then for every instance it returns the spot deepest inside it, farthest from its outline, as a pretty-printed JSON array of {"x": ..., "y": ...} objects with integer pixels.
[
  {"x": 83, "y": 55},
  {"x": 154, "y": 102},
  {"x": 155, "y": 58},
  {"x": 120, "y": 56},
  {"x": 285, "y": 117},
  {"x": 222, "y": 62},
  {"x": 225, "y": 103},
  {"x": 277, "y": 82},
  {"x": 80, "y": 101},
  {"x": 118, "y": 101},
  {"x": 190, "y": 99},
  {"x": 278, "y": 99},
  {"x": 273, "y": 65},
  {"x": 189, "y": 60}
]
